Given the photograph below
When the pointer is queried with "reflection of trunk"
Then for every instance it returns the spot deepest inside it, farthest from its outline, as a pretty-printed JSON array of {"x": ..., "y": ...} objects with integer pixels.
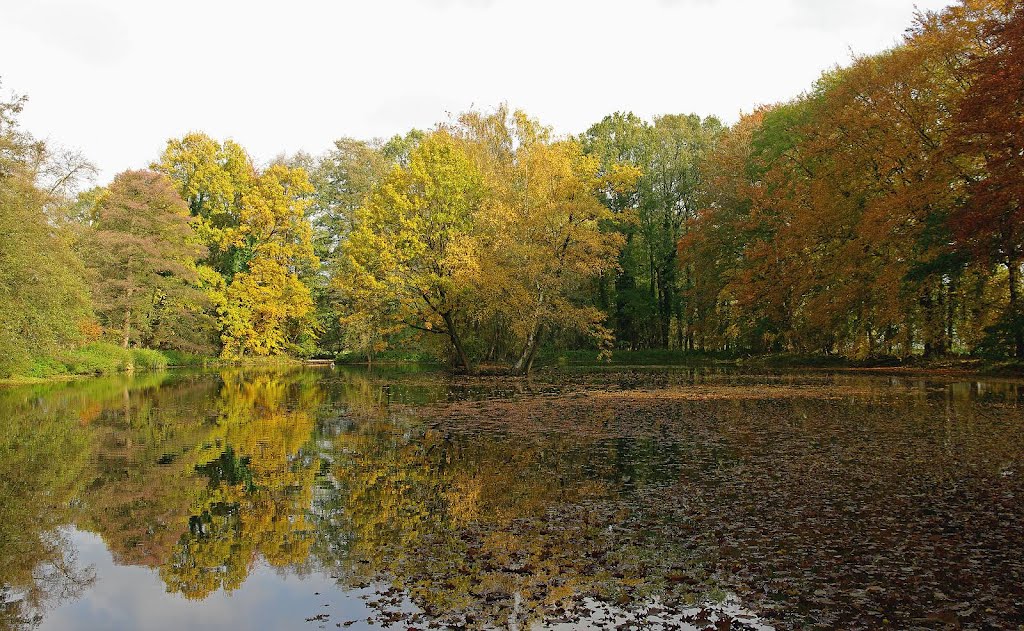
[
  {"x": 127, "y": 319},
  {"x": 524, "y": 364},
  {"x": 126, "y": 405},
  {"x": 461, "y": 359}
]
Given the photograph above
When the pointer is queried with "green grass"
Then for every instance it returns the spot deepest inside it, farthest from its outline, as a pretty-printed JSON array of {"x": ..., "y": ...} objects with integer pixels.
[
  {"x": 388, "y": 357},
  {"x": 46, "y": 367},
  {"x": 148, "y": 359},
  {"x": 99, "y": 358},
  {"x": 104, "y": 358},
  {"x": 180, "y": 359}
]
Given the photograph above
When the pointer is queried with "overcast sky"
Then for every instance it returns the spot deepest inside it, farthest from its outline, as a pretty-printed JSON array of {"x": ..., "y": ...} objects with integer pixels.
[{"x": 117, "y": 78}]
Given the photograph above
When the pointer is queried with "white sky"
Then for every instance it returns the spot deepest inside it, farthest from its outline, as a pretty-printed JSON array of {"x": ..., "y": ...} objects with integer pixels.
[{"x": 117, "y": 78}]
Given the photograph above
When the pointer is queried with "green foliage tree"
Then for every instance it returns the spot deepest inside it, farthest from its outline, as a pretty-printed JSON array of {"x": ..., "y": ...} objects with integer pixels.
[
  {"x": 44, "y": 302},
  {"x": 142, "y": 252},
  {"x": 669, "y": 156}
]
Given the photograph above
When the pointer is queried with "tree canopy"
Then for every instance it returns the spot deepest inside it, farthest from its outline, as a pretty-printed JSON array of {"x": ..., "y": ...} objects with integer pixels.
[{"x": 878, "y": 214}]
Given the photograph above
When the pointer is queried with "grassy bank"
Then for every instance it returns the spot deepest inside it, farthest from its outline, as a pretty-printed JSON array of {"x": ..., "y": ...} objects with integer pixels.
[
  {"x": 101, "y": 358},
  {"x": 390, "y": 357}
]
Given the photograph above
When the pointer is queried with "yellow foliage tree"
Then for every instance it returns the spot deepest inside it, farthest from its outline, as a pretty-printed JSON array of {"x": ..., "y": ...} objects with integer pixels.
[
  {"x": 411, "y": 259},
  {"x": 541, "y": 228},
  {"x": 260, "y": 241}
]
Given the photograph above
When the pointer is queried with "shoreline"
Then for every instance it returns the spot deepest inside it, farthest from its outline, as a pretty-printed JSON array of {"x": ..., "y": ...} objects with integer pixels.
[{"x": 1004, "y": 369}]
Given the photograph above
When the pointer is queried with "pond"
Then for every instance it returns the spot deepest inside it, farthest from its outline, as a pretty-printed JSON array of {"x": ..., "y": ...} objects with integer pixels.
[{"x": 620, "y": 498}]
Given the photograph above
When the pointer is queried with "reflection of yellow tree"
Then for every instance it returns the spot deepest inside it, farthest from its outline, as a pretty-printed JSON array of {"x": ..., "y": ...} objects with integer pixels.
[
  {"x": 260, "y": 485},
  {"x": 457, "y": 524}
]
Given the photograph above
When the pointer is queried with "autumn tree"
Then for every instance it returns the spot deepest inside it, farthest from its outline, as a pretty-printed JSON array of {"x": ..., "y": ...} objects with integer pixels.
[
  {"x": 411, "y": 258},
  {"x": 541, "y": 230},
  {"x": 141, "y": 251},
  {"x": 714, "y": 242},
  {"x": 211, "y": 177},
  {"x": 44, "y": 299},
  {"x": 256, "y": 228},
  {"x": 843, "y": 213},
  {"x": 991, "y": 223},
  {"x": 267, "y": 309}
]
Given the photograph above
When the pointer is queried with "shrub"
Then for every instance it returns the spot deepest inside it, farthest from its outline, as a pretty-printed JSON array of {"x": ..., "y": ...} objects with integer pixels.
[
  {"x": 43, "y": 367},
  {"x": 181, "y": 358},
  {"x": 99, "y": 358},
  {"x": 148, "y": 359}
]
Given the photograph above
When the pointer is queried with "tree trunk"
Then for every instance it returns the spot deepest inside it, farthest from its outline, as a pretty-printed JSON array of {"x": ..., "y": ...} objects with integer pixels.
[
  {"x": 461, "y": 359},
  {"x": 492, "y": 351},
  {"x": 524, "y": 364},
  {"x": 126, "y": 338}
]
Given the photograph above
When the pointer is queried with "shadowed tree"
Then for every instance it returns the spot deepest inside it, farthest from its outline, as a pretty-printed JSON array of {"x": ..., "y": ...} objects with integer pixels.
[{"x": 991, "y": 120}]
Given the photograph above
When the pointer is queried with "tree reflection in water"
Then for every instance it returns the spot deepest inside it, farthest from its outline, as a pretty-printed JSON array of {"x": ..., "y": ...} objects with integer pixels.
[{"x": 483, "y": 503}]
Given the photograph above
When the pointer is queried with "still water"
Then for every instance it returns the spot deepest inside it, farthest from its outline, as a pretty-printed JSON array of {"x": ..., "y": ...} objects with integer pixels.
[{"x": 599, "y": 498}]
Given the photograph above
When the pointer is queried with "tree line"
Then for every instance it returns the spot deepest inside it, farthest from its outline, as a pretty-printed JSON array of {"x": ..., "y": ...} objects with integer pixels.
[{"x": 879, "y": 213}]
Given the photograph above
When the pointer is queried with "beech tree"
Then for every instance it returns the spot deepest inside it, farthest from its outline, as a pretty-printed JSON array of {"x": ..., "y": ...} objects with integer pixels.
[
  {"x": 842, "y": 236},
  {"x": 991, "y": 222}
]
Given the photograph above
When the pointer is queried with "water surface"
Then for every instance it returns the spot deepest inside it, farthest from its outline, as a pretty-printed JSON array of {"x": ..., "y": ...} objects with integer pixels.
[{"x": 596, "y": 498}]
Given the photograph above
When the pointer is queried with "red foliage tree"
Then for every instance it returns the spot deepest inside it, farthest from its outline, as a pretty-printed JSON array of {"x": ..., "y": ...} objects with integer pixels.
[{"x": 991, "y": 125}]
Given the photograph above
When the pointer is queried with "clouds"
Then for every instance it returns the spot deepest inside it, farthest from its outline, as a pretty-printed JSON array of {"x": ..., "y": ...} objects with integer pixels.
[{"x": 118, "y": 77}]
